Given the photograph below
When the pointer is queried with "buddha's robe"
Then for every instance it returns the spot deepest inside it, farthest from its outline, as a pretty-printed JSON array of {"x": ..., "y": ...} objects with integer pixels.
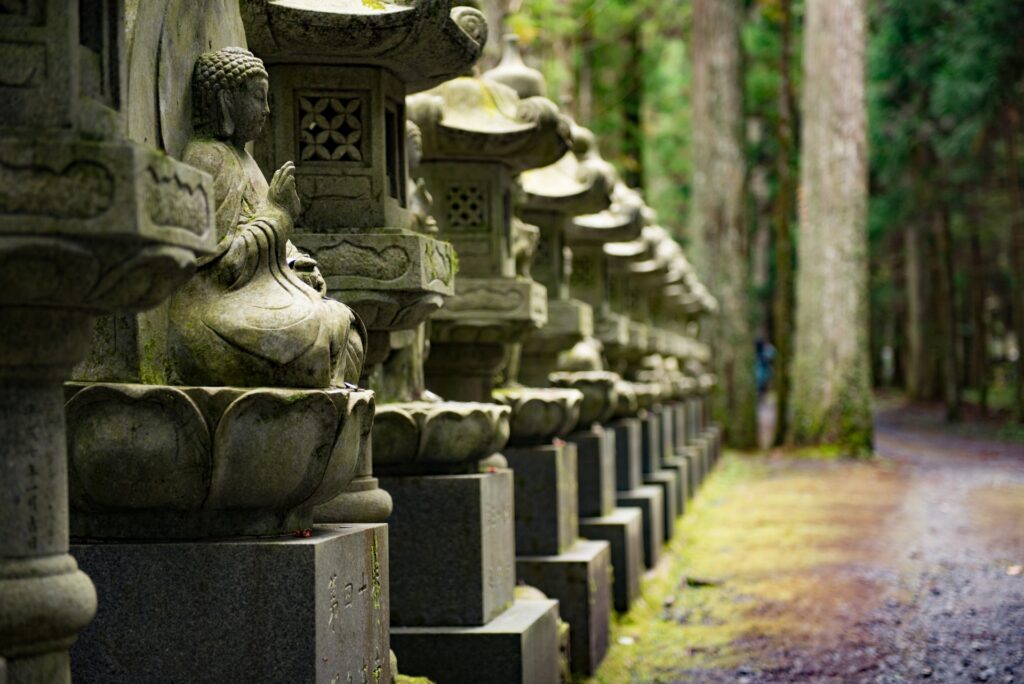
[{"x": 246, "y": 318}]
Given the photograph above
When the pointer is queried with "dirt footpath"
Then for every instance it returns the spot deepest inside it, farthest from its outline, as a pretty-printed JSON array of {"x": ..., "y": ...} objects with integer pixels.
[{"x": 904, "y": 569}]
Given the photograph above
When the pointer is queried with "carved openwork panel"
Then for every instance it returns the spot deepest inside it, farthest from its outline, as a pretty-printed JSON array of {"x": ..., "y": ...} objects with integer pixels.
[
  {"x": 467, "y": 207},
  {"x": 331, "y": 127}
]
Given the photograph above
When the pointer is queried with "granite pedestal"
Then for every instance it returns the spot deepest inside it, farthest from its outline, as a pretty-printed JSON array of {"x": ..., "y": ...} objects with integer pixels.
[
  {"x": 453, "y": 548},
  {"x": 681, "y": 468},
  {"x": 453, "y": 616},
  {"x": 623, "y": 530},
  {"x": 519, "y": 646},
  {"x": 650, "y": 499},
  {"x": 549, "y": 554},
  {"x": 546, "y": 516},
  {"x": 580, "y": 578},
  {"x": 595, "y": 467},
  {"x": 628, "y": 459},
  {"x": 268, "y": 611}
]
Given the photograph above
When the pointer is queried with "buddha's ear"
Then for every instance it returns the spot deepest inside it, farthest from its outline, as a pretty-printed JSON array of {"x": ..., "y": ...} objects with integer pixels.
[{"x": 227, "y": 122}]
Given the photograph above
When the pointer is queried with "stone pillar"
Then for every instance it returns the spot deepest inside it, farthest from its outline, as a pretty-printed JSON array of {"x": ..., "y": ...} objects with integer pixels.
[{"x": 91, "y": 223}]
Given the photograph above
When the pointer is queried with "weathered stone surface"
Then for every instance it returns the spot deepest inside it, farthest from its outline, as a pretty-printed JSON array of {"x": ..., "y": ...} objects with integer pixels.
[
  {"x": 392, "y": 280},
  {"x": 519, "y": 646},
  {"x": 650, "y": 441},
  {"x": 599, "y": 393},
  {"x": 580, "y": 578},
  {"x": 668, "y": 483},
  {"x": 623, "y": 530},
  {"x": 595, "y": 458},
  {"x": 546, "y": 499},
  {"x": 628, "y": 460},
  {"x": 145, "y": 463},
  {"x": 295, "y": 609},
  {"x": 254, "y": 313},
  {"x": 423, "y": 44},
  {"x": 452, "y": 548},
  {"x": 540, "y": 414},
  {"x": 424, "y": 437},
  {"x": 680, "y": 466},
  {"x": 650, "y": 501}
]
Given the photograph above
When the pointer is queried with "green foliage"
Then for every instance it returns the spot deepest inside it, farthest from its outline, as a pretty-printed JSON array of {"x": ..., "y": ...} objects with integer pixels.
[{"x": 565, "y": 39}]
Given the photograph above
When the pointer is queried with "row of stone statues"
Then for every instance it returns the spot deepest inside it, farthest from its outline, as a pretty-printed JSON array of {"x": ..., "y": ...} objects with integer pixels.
[{"x": 317, "y": 421}]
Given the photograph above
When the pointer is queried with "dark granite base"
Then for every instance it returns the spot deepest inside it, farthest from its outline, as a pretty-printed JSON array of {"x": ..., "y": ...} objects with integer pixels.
[
  {"x": 519, "y": 646},
  {"x": 545, "y": 497},
  {"x": 595, "y": 468},
  {"x": 650, "y": 499},
  {"x": 623, "y": 529},
  {"x": 628, "y": 461},
  {"x": 274, "y": 611},
  {"x": 668, "y": 480},
  {"x": 681, "y": 467},
  {"x": 580, "y": 579},
  {"x": 452, "y": 548}
]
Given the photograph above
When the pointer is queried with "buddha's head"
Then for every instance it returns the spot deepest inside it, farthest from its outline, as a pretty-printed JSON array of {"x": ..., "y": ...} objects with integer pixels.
[{"x": 229, "y": 95}]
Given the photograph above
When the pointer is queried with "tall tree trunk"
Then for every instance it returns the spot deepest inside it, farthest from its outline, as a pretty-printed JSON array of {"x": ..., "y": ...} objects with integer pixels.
[
  {"x": 947, "y": 313},
  {"x": 632, "y": 106},
  {"x": 783, "y": 296},
  {"x": 717, "y": 226},
  {"x": 922, "y": 371},
  {"x": 585, "y": 68},
  {"x": 831, "y": 396},
  {"x": 979, "y": 340},
  {"x": 1016, "y": 254}
]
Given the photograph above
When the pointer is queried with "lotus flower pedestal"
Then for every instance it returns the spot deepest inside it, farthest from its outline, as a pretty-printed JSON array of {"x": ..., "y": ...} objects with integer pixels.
[{"x": 192, "y": 509}]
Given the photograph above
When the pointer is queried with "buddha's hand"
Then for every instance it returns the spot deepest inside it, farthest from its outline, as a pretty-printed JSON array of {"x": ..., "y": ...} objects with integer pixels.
[
  {"x": 306, "y": 269},
  {"x": 283, "y": 194}
]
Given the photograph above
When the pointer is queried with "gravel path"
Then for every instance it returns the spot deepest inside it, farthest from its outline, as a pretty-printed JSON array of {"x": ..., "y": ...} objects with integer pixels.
[{"x": 905, "y": 569}]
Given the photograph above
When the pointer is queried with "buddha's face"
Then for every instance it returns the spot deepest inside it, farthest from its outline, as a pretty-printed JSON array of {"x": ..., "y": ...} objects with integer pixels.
[{"x": 249, "y": 108}]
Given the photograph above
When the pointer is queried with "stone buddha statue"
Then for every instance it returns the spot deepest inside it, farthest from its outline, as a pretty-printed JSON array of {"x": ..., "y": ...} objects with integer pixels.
[{"x": 254, "y": 313}]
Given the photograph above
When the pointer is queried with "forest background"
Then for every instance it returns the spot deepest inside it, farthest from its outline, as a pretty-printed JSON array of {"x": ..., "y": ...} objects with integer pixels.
[{"x": 944, "y": 219}]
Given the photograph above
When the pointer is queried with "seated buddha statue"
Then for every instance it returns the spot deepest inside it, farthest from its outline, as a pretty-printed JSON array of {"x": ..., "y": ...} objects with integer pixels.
[{"x": 254, "y": 313}]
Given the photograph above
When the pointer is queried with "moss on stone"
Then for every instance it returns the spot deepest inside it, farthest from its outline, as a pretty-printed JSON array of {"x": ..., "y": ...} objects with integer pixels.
[{"x": 755, "y": 543}]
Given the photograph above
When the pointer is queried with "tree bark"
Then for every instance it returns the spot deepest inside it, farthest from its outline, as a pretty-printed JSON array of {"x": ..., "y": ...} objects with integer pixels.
[
  {"x": 831, "y": 396},
  {"x": 979, "y": 338},
  {"x": 632, "y": 107},
  {"x": 923, "y": 369},
  {"x": 947, "y": 314},
  {"x": 717, "y": 224},
  {"x": 784, "y": 200},
  {"x": 1016, "y": 255}
]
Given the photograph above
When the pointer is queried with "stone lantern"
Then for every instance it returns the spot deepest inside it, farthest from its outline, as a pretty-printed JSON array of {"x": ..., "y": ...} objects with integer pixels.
[
  {"x": 339, "y": 77},
  {"x": 203, "y": 434},
  {"x": 91, "y": 223},
  {"x": 476, "y": 138},
  {"x": 550, "y": 554}
]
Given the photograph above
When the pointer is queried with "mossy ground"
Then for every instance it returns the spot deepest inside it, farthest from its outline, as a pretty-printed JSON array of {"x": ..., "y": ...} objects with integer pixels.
[{"x": 756, "y": 565}]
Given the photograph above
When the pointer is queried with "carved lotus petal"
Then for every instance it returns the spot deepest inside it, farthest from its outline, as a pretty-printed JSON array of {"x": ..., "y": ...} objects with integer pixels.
[
  {"x": 599, "y": 393},
  {"x": 540, "y": 414},
  {"x": 145, "y": 463},
  {"x": 425, "y": 435}
]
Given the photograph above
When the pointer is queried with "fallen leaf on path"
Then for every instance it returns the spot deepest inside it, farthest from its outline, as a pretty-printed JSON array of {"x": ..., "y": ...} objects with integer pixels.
[{"x": 1014, "y": 570}]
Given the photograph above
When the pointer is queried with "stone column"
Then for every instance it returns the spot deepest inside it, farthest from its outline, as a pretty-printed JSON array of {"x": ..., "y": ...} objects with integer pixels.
[{"x": 90, "y": 224}]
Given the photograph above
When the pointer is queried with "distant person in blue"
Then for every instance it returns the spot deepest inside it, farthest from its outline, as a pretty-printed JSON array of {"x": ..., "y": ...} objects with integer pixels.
[{"x": 764, "y": 358}]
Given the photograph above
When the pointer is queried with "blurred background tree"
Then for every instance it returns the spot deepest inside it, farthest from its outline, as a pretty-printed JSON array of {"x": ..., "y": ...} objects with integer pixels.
[{"x": 945, "y": 88}]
